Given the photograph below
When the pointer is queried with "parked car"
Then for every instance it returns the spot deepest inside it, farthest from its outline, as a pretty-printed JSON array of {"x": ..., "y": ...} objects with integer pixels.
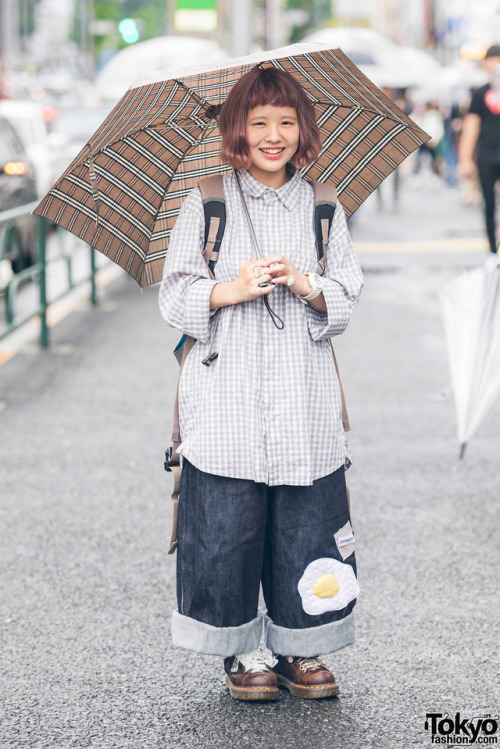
[
  {"x": 17, "y": 188},
  {"x": 44, "y": 149}
]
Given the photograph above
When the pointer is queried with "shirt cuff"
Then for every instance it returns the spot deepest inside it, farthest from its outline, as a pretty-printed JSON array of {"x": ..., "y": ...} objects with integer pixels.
[
  {"x": 197, "y": 312},
  {"x": 334, "y": 321}
]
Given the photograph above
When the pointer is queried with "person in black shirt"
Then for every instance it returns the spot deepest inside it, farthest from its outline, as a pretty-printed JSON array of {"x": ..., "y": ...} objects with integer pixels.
[{"x": 479, "y": 148}]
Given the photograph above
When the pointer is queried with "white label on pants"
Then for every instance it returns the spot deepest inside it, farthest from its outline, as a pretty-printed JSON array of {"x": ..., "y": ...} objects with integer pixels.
[{"x": 344, "y": 538}]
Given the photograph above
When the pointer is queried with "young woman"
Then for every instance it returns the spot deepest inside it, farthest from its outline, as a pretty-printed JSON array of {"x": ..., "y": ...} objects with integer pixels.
[{"x": 263, "y": 493}]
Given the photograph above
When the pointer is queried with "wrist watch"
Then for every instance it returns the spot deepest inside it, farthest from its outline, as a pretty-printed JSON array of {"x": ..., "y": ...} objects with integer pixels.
[{"x": 317, "y": 284}]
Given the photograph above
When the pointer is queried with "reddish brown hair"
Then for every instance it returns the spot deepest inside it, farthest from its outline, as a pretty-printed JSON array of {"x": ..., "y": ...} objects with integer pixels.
[{"x": 259, "y": 87}]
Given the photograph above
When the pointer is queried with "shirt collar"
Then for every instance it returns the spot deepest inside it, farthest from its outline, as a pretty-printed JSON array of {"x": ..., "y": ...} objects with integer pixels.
[{"x": 288, "y": 193}]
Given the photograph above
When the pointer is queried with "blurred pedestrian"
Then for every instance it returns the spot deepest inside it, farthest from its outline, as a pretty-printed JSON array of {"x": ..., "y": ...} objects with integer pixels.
[
  {"x": 263, "y": 494},
  {"x": 431, "y": 120},
  {"x": 452, "y": 128},
  {"x": 479, "y": 148},
  {"x": 399, "y": 97}
]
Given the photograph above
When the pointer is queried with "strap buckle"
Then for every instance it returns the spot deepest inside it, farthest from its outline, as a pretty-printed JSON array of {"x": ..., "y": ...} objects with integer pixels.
[
  {"x": 168, "y": 458},
  {"x": 209, "y": 359}
]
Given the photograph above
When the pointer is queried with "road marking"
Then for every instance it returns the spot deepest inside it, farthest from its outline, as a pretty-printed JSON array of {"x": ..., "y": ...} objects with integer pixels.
[{"x": 461, "y": 244}]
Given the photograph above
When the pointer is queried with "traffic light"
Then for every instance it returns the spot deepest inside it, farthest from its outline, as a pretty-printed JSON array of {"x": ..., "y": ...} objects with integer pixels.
[{"x": 129, "y": 31}]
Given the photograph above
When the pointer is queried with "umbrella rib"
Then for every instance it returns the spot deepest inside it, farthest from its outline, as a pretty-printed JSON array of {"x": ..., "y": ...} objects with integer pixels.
[
  {"x": 187, "y": 154},
  {"x": 361, "y": 108},
  {"x": 123, "y": 124},
  {"x": 342, "y": 65},
  {"x": 199, "y": 100},
  {"x": 100, "y": 145}
]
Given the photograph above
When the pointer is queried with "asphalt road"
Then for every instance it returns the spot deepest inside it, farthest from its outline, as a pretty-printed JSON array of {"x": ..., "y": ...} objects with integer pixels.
[{"x": 87, "y": 589}]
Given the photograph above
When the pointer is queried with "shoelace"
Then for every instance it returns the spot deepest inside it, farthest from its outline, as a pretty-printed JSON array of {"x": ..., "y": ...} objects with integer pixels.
[
  {"x": 309, "y": 664},
  {"x": 253, "y": 661}
]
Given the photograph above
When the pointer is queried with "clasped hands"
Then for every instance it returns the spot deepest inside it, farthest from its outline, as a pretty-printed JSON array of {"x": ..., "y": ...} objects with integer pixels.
[{"x": 274, "y": 268}]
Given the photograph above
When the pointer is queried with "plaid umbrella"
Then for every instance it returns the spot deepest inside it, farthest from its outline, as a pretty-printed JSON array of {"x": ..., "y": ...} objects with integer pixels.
[{"x": 123, "y": 192}]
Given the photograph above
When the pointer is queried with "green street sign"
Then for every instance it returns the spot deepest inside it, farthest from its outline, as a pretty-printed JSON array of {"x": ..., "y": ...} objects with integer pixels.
[
  {"x": 199, "y": 16},
  {"x": 196, "y": 5}
]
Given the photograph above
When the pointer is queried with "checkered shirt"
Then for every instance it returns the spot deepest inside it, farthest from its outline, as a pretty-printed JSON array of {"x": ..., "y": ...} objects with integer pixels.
[{"x": 268, "y": 408}]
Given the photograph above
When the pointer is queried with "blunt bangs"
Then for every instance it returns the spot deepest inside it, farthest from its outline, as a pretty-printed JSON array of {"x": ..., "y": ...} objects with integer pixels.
[
  {"x": 267, "y": 90},
  {"x": 260, "y": 87}
]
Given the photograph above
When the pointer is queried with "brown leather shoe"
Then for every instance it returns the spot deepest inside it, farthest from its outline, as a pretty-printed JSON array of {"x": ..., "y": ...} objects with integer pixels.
[
  {"x": 308, "y": 678},
  {"x": 248, "y": 677}
]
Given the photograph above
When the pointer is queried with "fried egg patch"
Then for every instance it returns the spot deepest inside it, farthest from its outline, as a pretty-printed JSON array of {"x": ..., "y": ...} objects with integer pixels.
[{"x": 327, "y": 585}]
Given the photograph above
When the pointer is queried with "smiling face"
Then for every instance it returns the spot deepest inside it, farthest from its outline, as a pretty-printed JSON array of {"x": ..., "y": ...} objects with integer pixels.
[{"x": 273, "y": 138}]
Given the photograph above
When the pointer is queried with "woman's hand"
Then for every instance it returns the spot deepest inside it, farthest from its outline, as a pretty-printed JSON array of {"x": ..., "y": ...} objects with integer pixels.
[
  {"x": 245, "y": 287},
  {"x": 283, "y": 271},
  {"x": 250, "y": 275}
]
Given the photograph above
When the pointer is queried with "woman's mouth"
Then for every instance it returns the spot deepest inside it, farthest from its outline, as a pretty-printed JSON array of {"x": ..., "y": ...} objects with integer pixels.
[{"x": 272, "y": 153}]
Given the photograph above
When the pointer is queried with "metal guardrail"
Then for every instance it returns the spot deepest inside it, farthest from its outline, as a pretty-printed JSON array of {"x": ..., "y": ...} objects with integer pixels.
[{"x": 11, "y": 247}]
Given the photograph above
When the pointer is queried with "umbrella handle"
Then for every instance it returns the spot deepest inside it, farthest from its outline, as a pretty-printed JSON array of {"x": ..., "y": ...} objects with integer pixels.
[
  {"x": 274, "y": 317},
  {"x": 250, "y": 226},
  {"x": 247, "y": 214}
]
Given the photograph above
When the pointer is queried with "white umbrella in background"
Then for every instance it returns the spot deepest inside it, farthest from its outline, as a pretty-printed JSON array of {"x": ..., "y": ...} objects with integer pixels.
[
  {"x": 414, "y": 66},
  {"x": 452, "y": 84},
  {"x": 366, "y": 48},
  {"x": 382, "y": 60},
  {"x": 471, "y": 313},
  {"x": 155, "y": 54}
]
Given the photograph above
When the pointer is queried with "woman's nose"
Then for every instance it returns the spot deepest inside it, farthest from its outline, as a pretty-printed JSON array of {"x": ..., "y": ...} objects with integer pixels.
[{"x": 273, "y": 133}]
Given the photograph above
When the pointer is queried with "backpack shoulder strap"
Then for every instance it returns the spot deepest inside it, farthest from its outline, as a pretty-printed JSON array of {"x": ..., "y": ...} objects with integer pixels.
[
  {"x": 214, "y": 207},
  {"x": 325, "y": 201},
  {"x": 172, "y": 458},
  {"x": 345, "y": 416}
]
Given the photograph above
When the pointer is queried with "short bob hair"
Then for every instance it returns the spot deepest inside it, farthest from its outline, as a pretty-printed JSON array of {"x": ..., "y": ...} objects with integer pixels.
[{"x": 259, "y": 87}]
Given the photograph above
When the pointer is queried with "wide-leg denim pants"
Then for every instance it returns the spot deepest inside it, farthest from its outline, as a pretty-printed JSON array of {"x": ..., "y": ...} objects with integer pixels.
[{"x": 233, "y": 535}]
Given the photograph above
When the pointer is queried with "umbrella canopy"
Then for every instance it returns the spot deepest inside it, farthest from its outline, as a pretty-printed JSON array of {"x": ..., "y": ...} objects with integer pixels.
[
  {"x": 471, "y": 312},
  {"x": 123, "y": 192}
]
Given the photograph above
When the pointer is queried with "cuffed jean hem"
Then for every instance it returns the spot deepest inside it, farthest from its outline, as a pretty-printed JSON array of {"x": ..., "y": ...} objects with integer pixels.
[
  {"x": 204, "y": 638},
  {"x": 311, "y": 641}
]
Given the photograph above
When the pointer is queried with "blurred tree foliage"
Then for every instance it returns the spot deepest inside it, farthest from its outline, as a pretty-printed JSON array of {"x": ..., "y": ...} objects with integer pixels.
[
  {"x": 307, "y": 16},
  {"x": 306, "y": 9},
  {"x": 150, "y": 16},
  {"x": 152, "y": 13},
  {"x": 26, "y": 16}
]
